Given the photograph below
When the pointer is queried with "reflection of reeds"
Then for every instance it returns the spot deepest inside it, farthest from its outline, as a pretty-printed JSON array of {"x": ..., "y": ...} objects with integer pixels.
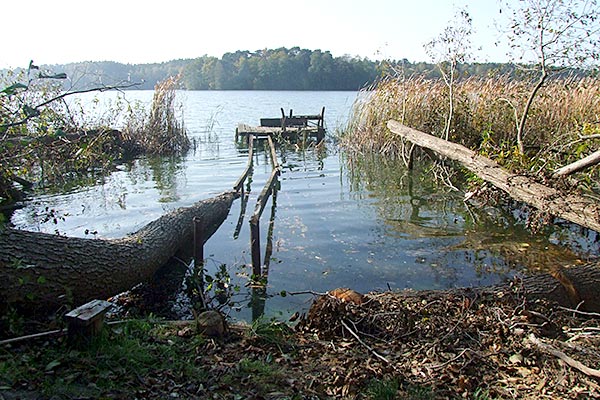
[
  {"x": 160, "y": 132},
  {"x": 484, "y": 116}
]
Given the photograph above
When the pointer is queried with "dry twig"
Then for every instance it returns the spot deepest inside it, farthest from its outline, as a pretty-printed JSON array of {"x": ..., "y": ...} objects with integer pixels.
[
  {"x": 376, "y": 354},
  {"x": 568, "y": 360},
  {"x": 587, "y": 314}
]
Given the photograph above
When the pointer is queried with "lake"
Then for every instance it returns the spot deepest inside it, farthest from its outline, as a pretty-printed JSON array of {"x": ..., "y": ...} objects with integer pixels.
[{"x": 339, "y": 220}]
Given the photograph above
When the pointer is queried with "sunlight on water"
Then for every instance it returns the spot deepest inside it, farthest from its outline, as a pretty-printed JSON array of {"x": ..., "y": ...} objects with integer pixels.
[{"x": 340, "y": 221}]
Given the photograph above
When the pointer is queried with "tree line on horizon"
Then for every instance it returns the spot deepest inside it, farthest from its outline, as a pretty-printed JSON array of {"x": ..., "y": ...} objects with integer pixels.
[{"x": 268, "y": 69}]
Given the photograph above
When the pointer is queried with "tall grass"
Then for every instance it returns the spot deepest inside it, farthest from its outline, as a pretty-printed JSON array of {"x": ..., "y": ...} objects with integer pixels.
[
  {"x": 160, "y": 131},
  {"x": 563, "y": 117}
]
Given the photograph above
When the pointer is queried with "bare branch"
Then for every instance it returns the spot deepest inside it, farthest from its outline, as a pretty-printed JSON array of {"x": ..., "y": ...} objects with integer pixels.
[{"x": 63, "y": 95}]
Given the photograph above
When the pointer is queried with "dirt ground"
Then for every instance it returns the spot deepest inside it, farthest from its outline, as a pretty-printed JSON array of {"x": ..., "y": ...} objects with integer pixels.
[{"x": 416, "y": 345}]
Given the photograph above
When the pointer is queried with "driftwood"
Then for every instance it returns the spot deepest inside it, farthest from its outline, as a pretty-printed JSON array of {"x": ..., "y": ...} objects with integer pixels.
[
  {"x": 572, "y": 208},
  {"x": 575, "y": 286},
  {"x": 568, "y": 360},
  {"x": 45, "y": 271},
  {"x": 577, "y": 166}
]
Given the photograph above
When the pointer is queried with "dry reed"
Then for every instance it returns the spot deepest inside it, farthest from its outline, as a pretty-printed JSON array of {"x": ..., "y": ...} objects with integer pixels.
[
  {"x": 160, "y": 131},
  {"x": 563, "y": 117}
]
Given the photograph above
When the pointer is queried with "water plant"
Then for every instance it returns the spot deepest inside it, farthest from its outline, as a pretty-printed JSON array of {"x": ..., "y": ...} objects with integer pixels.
[
  {"x": 47, "y": 141},
  {"x": 161, "y": 130}
]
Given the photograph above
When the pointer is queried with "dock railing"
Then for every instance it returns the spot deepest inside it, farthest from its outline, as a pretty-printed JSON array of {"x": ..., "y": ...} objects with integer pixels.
[
  {"x": 269, "y": 189},
  {"x": 239, "y": 186},
  {"x": 287, "y": 127}
]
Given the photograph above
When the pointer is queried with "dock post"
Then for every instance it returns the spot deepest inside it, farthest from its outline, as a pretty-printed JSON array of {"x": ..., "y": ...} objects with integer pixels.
[
  {"x": 283, "y": 122},
  {"x": 199, "y": 250},
  {"x": 255, "y": 247},
  {"x": 86, "y": 321}
]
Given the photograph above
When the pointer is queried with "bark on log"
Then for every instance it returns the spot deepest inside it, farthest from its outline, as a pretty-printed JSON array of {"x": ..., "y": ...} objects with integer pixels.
[
  {"x": 44, "y": 271},
  {"x": 574, "y": 287},
  {"x": 572, "y": 208},
  {"x": 568, "y": 286}
]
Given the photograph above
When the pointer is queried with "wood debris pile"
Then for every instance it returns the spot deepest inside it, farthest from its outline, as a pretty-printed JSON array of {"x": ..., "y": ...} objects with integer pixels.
[{"x": 459, "y": 343}]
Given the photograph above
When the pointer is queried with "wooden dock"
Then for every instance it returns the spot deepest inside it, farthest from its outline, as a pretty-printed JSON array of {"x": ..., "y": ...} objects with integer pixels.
[{"x": 289, "y": 127}]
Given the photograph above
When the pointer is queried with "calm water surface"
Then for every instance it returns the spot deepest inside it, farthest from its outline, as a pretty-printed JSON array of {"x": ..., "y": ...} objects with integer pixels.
[{"x": 338, "y": 221}]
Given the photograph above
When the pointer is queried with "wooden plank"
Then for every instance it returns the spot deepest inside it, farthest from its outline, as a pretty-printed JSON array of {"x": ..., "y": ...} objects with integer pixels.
[
  {"x": 87, "y": 313},
  {"x": 576, "y": 209},
  {"x": 271, "y": 122},
  {"x": 86, "y": 321},
  {"x": 274, "y": 163},
  {"x": 261, "y": 201},
  {"x": 239, "y": 184},
  {"x": 315, "y": 117}
]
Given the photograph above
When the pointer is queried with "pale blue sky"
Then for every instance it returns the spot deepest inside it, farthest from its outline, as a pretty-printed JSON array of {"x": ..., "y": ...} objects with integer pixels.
[{"x": 133, "y": 31}]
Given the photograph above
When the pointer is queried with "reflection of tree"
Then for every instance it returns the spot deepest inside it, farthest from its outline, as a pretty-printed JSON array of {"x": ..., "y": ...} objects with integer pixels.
[
  {"x": 409, "y": 201},
  {"x": 413, "y": 206},
  {"x": 519, "y": 248},
  {"x": 165, "y": 171}
]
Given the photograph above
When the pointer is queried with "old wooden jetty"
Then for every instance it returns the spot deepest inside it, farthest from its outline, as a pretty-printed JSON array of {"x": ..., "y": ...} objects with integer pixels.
[{"x": 288, "y": 127}]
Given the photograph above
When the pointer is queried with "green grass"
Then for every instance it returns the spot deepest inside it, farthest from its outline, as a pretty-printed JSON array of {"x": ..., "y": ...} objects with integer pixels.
[
  {"x": 113, "y": 363},
  {"x": 271, "y": 332},
  {"x": 383, "y": 390},
  {"x": 390, "y": 389}
]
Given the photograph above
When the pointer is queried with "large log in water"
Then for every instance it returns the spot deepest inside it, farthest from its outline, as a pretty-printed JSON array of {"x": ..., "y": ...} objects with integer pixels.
[
  {"x": 570, "y": 207},
  {"x": 44, "y": 271}
]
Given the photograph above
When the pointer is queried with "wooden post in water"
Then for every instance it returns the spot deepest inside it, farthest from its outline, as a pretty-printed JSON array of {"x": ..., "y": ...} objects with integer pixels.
[
  {"x": 283, "y": 120},
  {"x": 255, "y": 246},
  {"x": 199, "y": 250}
]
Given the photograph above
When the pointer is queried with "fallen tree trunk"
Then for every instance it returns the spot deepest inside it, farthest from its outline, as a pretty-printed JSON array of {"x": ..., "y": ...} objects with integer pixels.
[
  {"x": 577, "y": 166},
  {"x": 572, "y": 208},
  {"x": 45, "y": 271},
  {"x": 574, "y": 286}
]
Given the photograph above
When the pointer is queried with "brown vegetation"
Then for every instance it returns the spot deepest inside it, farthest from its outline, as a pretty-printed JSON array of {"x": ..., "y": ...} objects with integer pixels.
[
  {"x": 563, "y": 124},
  {"x": 160, "y": 131},
  {"x": 456, "y": 344},
  {"x": 55, "y": 147}
]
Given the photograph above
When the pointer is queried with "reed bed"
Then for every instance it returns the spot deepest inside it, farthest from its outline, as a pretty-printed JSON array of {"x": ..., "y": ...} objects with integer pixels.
[
  {"x": 563, "y": 125},
  {"x": 160, "y": 131}
]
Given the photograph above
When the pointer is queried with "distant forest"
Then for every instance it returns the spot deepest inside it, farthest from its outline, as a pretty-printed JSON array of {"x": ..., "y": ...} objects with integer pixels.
[{"x": 276, "y": 69}]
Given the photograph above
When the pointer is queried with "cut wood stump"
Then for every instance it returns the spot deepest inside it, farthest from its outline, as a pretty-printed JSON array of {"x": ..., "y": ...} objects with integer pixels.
[{"x": 86, "y": 321}]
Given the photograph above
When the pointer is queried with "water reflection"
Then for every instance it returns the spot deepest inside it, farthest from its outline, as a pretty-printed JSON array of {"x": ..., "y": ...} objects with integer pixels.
[
  {"x": 338, "y": 220},
  {"x": 260, "y": 271},
  {"x": 413, "y": 206},
  {"x": 167, "y": 173}
]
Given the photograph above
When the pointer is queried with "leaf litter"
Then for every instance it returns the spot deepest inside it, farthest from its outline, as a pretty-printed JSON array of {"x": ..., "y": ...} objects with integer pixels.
[{"x": 463, "y": 343}]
